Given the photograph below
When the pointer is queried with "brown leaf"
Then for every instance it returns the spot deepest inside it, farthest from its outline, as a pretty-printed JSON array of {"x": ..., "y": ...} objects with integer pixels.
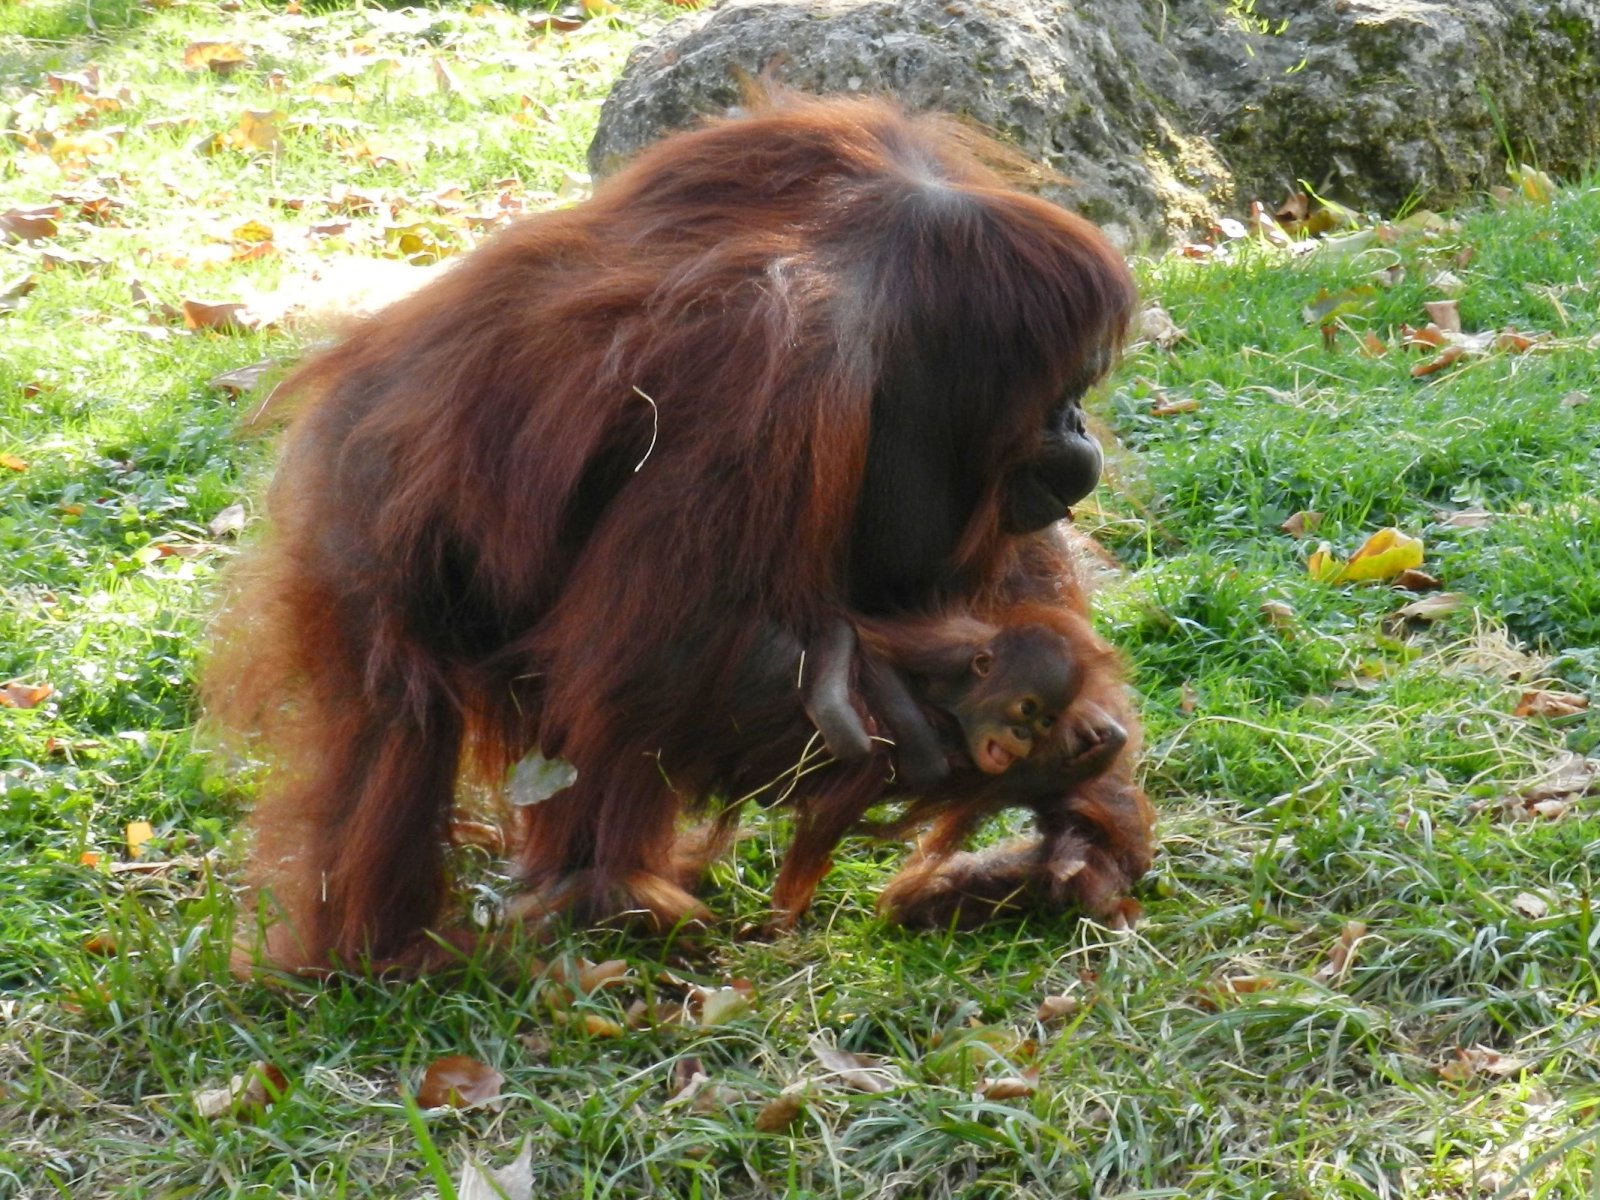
[
  {"x": 1446, "y": 314},
  {"x": 592, "y": 977},
  {"x": 1293, "y": 210},
  {"x": 862, "y": 1072},
  {"x": 12, "y": 463},
  {"x": 1058, "y": 1008},
  {"x": 101, "y": 945},
  {"x": 1480, "y": 1060},
  {"x": 258, "y": 129},
  {"x": 229, "y": 521},
  {"x": 1277, "y": 613},
  {"x": 1156, "y": 325},
  {"x": 514, "y": 1181},
  {"x": 1446, "y": 357},
  {"x": 1373, "y": 346},
  {"x": 16, "y": 694},
  {"x": 1428, "y": 335},
  {"x": 1431, "y": 608},
  {"x": 718, "y": 1006},
  {"x": 1413, "y": 580},
  {"x": 564, "y": 21},
  {"x": 597, "y": 1026},
  {"x": 30, "y": 224},
  {"x": 223, "y": 316},
  {"x": 1509, "y": 341},
  {"x": 241, "y": 379},
  {"x": 1188, "y": 698},
  {"x": 1172, "y": 408},
  {"x": 1244, "y": 985},
  {"x": 458, "y": 1081},
  {"x": 688, "y": 1074},
  {"x": 1574, "y": 399},
  {"x": 223, "y": 58},
  {"x": 1011, "y": 1087},
  {"x": 85, "y": 82},
  {"x": 1343, "y": 954},
  {"x": 1528, "y": 905},
  {"x": 1301, "y": 523},
  {"x": 1263, "y": 226},
  {"x": 1469, "y": 518},
  {"x": 1550, "y": 704},
  {"x": 780, "y": 1113},
  {"x": 257, "y": 1090}
]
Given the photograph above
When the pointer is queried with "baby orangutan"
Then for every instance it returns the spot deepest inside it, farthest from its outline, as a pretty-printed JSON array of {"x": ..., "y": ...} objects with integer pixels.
[{"x": 1025, "y": 710}]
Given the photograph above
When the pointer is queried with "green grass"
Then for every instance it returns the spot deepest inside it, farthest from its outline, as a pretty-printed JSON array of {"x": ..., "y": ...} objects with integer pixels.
[{"x": 1327, "y": 767}]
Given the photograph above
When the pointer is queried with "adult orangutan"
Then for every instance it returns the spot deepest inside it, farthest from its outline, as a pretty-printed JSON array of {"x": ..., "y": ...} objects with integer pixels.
[{"x": 813, "y": 363}]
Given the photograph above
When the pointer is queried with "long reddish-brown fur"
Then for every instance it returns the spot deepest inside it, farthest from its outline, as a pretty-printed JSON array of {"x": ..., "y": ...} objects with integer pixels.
[{"x": 811, "y": 362}]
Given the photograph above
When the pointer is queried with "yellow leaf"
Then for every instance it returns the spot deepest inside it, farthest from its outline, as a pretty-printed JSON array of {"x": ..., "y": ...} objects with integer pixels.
[
  {"x": 1322, "y": 566},
  {"x": 1384, "y": 555},
  {"x": 138, "y": 833},
  {"x": 253, "y": 231}
]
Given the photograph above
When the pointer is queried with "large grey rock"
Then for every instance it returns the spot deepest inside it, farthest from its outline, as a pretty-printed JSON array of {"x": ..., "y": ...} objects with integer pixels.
[{"x": 1167, "y": 115}]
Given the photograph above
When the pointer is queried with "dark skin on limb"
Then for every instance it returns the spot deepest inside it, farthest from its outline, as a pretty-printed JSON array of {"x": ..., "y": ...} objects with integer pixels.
[{"x": 819, "y": 363}]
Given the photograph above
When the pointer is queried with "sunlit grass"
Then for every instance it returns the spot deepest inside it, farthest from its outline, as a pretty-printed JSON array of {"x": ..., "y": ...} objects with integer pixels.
[{"x": 1325, "y": 772}]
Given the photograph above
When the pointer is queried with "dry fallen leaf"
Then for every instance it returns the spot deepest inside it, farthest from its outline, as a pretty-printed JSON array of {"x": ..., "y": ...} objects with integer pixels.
[
  {"x": 17, "y": 694},
  {"x": 1530, "y": 906},
  {"x": 458, "y": 1081},
  {"x": 597, "y": 1026},
  {"x": 136, "y": 835},
  {"x": 1277, "y": 613},
  {"x": 1446, "y": 357},
  {"x": 1011, "y": 1087},
  {"x": 1156, "y": 325},
  {"x": 1174, "y": 407},
  {"x": 1574, "y": 399},
  {"x": 30, "y": 224},
  {"x": 1470, "y": 518},
  {"x": 1058, "y": 1008},
  {"x": 592, "y": 977},
  {"x": 255, "y": 1091},
  {"x": 1446, "y": 314},
  {"x": 224, "y": 316},
  {"x": 1555, "y": 795},
  {"x": 242, "y": 379},
  {"x": 12, "y": 463},
  {"x": 1243, "y": 985},
  {"x": 221, "y": 57},
  {"x": 258, "y": 129},
  {"x": 514, "y": 1181},
  {"x": 1301, "y": 523},
  {"x": 780, "y": 1113},
  {"x": 718, "y": 1006},
  {"x": 1343, "y": 954},
  {"x": 1431, "y": 608},
  {"x": 1413, "y": 580},
  {"x": 1480, "y": 1060},
  {"x": 101, "y": 945},
  {"x": 229, "y": 521},
  {"x": 1550, "y": 704},
  {"x": 862, "y": 1072}
]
